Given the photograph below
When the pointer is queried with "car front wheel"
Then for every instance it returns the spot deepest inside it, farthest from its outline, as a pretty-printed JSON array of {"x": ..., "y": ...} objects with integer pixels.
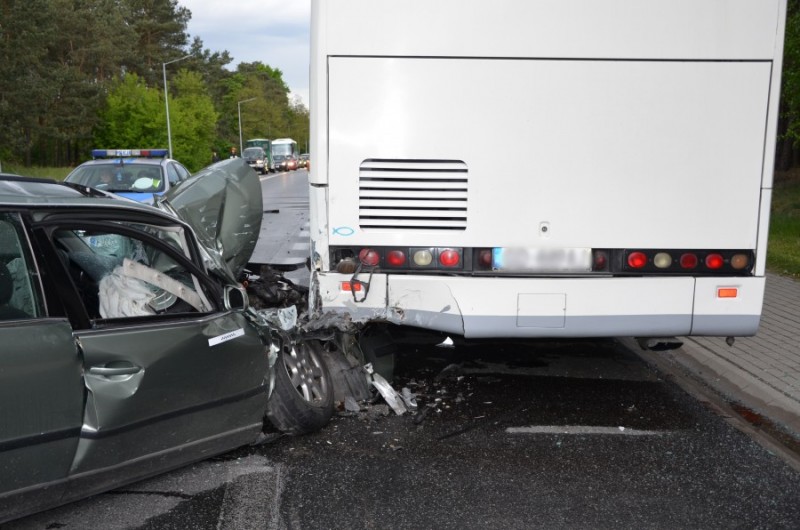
[{"x": 302, "y": 400}]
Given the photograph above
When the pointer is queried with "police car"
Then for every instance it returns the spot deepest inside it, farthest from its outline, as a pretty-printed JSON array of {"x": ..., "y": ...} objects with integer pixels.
[{"x": 138, "y": 174}]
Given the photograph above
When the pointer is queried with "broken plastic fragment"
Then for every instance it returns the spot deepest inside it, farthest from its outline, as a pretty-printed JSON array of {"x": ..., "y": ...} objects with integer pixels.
[
  {"x": 409, "y": 399},
  {"x": 288, "y": 317},
  {"x": 446, "y": 343},
  {"x": 389, "y": 394},
  {"x": 284, "y": 318}
]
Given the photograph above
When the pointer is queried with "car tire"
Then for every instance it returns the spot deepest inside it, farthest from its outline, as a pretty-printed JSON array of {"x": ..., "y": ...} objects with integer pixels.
[{"x": 302, "y": 399}]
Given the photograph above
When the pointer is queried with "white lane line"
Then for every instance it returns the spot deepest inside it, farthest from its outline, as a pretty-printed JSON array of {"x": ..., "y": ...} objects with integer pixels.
[
  {"x": 272, "y": 176},
  {"x": 581, "y": 429}
]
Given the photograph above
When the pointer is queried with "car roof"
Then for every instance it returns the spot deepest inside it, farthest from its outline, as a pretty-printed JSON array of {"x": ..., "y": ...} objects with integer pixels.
[{"x": 126, "y": 160}]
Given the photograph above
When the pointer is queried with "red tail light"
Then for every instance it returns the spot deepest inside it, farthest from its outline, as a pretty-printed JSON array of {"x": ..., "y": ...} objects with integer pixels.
[
  {"x": 449, "y": 258},
  {"x": 600, "y": 261},
  {"x": 689, "y": 261},
  {"x": 395, "y": 258},
  {"x": 485, "y": 258},
  {"x": 369, "y": 257},
  {"x": 637, "y": 260},
  {"x": 714, "y": 261}
]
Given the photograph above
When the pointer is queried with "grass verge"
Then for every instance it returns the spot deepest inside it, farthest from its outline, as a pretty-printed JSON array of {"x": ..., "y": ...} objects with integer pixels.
[
  {"x": 55, "y": 173},
  {"x": 783, "y": 251}
]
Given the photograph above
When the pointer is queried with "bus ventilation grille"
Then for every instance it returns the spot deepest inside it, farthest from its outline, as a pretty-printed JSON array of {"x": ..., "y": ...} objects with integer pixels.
[{"x": 412, "y": 194}]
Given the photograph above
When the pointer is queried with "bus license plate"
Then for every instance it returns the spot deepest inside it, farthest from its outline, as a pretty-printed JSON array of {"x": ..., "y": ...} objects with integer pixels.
[{"x": 515, "y": 259}]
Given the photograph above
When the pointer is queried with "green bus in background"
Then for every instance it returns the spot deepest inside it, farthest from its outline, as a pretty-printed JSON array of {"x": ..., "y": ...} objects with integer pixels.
[{"x": 266, "y": 145}]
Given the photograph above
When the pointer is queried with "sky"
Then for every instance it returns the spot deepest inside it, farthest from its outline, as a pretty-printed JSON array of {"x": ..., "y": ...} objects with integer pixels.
[{"x": 275, "y": 32}]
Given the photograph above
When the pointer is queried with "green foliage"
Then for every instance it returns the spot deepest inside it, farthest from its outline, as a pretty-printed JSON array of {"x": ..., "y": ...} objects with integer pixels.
[
  {"x": 25, "y": 79},
  {"x": 193, "y": 120},
  {"x": 783, "y": 250},
  {"x": 160, "y": 28},
  {"x": 77, "y": 74},
  {"x": 134, "y": 117},
  {"x": 790, "y": 89}
]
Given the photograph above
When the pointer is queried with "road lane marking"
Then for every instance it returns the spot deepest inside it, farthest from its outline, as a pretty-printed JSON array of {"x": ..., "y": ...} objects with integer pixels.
[{"x": 581, "y": 429}]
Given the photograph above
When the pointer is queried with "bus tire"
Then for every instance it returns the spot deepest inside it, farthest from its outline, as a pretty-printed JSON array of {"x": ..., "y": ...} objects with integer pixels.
[{"x": 302, "y": 399}]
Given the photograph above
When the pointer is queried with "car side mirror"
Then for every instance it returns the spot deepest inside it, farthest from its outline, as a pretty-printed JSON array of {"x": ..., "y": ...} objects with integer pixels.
[{"x": 235, "y": 298}]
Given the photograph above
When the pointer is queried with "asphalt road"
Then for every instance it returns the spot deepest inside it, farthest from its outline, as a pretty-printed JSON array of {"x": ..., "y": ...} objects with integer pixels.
[
  {"x": 518, "y": 435},
  {"x": 533, "y": 434},
  {"x": 284, "y": 237}
]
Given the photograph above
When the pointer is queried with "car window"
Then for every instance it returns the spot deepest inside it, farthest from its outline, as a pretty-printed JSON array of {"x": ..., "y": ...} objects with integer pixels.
[
  {"x": 172, "y": 174},
  {"x": 119, "y": 274},
  {"x": 19, "y": 293},
  {"x": 131, "y": 177},
  {"x": 183, "y": 173}
]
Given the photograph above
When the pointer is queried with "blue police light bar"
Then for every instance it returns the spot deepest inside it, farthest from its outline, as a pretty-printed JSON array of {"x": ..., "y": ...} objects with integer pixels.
[{"x": 115, "y": 153}]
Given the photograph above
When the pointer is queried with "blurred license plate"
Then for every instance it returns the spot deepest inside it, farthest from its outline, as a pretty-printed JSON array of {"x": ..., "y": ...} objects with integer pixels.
[{"x": 542, "y": 259}]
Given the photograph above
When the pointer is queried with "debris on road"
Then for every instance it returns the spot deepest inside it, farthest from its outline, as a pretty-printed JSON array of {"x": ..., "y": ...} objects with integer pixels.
[
  {"x": 389, "y": 394},
  {"x": 409, "y": 398}
]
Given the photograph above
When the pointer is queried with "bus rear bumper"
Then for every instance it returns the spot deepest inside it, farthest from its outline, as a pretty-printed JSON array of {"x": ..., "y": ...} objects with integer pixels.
[{"x": 545, "y": 307}]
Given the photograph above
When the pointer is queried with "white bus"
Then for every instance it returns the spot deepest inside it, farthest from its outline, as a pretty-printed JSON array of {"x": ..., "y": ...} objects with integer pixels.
[
  {"x": 284, "y": 146},
  {"x": 542, "y": 168}
]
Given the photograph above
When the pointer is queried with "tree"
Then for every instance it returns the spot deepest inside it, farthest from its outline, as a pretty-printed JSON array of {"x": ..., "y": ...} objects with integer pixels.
[
  {"x": 299, "y": 124},
  {"x": 75, "y": 74},
  {"x": 26, "y": 86},
  {"x": 91, "y": 45},
  {"x": 193, "y": 120},
  {"x": 133, "y": 117},
  {"x": 789, "y": 126},
  {"x": 160, "y": 26}
]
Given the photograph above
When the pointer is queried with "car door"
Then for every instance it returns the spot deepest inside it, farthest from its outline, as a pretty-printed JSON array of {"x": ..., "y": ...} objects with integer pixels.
[
  {"x": 171, "y": 376},
  {"x": 41, "y": 388}
]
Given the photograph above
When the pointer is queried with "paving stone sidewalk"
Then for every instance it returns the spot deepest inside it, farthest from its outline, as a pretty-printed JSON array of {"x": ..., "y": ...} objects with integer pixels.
[{"x": 761, "y": 372}]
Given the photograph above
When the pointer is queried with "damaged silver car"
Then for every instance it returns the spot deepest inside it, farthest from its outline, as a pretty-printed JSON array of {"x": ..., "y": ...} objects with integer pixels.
[{"x": 129, "y": 343}]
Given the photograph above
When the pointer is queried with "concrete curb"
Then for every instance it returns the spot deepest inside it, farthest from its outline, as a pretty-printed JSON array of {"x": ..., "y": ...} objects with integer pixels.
[{"x": 738, "y": 385}]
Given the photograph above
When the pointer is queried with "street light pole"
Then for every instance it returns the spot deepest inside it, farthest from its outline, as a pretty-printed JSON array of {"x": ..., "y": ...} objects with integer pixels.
[
  {"x": 239, "y": 105},
  {"x": 166, "y": 98}
]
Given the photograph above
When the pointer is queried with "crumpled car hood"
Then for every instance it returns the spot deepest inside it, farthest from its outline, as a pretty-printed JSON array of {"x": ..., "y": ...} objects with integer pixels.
[{"x": 223, "y": 204}]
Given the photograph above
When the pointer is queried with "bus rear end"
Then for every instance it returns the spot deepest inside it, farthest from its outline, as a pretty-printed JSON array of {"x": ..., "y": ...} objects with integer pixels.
[{"x": 577, "y": 168}]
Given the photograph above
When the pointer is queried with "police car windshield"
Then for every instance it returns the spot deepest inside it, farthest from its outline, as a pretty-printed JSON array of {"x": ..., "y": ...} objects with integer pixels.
[{"x": 133, "y": 177}]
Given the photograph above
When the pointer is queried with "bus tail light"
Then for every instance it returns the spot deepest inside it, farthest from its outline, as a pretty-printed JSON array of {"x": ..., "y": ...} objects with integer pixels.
[
  {"x": 369, "y": 257},
  {"x": 600, "y": 260},
  {"x": 604, "y": 261},
  {"x": 346, "y": 266},
  {"x": 740, "y": 261},
  {"x": 662, "y": 260},
  {"x": 689, "y": 261},
  {"x": 637, "y": 260},
  {"x": 484, "y": 259},
  {"x": 449, "y": 258},
  {"x": 395, "y": 258},
  {"x": 422, "y": 257},
  {"x": 714, "y": 261},
  {"x": 694, "y": 262}
]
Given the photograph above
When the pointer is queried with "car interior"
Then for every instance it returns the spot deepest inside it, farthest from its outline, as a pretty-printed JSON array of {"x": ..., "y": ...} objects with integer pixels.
[{"x": 119, "y": 276}]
